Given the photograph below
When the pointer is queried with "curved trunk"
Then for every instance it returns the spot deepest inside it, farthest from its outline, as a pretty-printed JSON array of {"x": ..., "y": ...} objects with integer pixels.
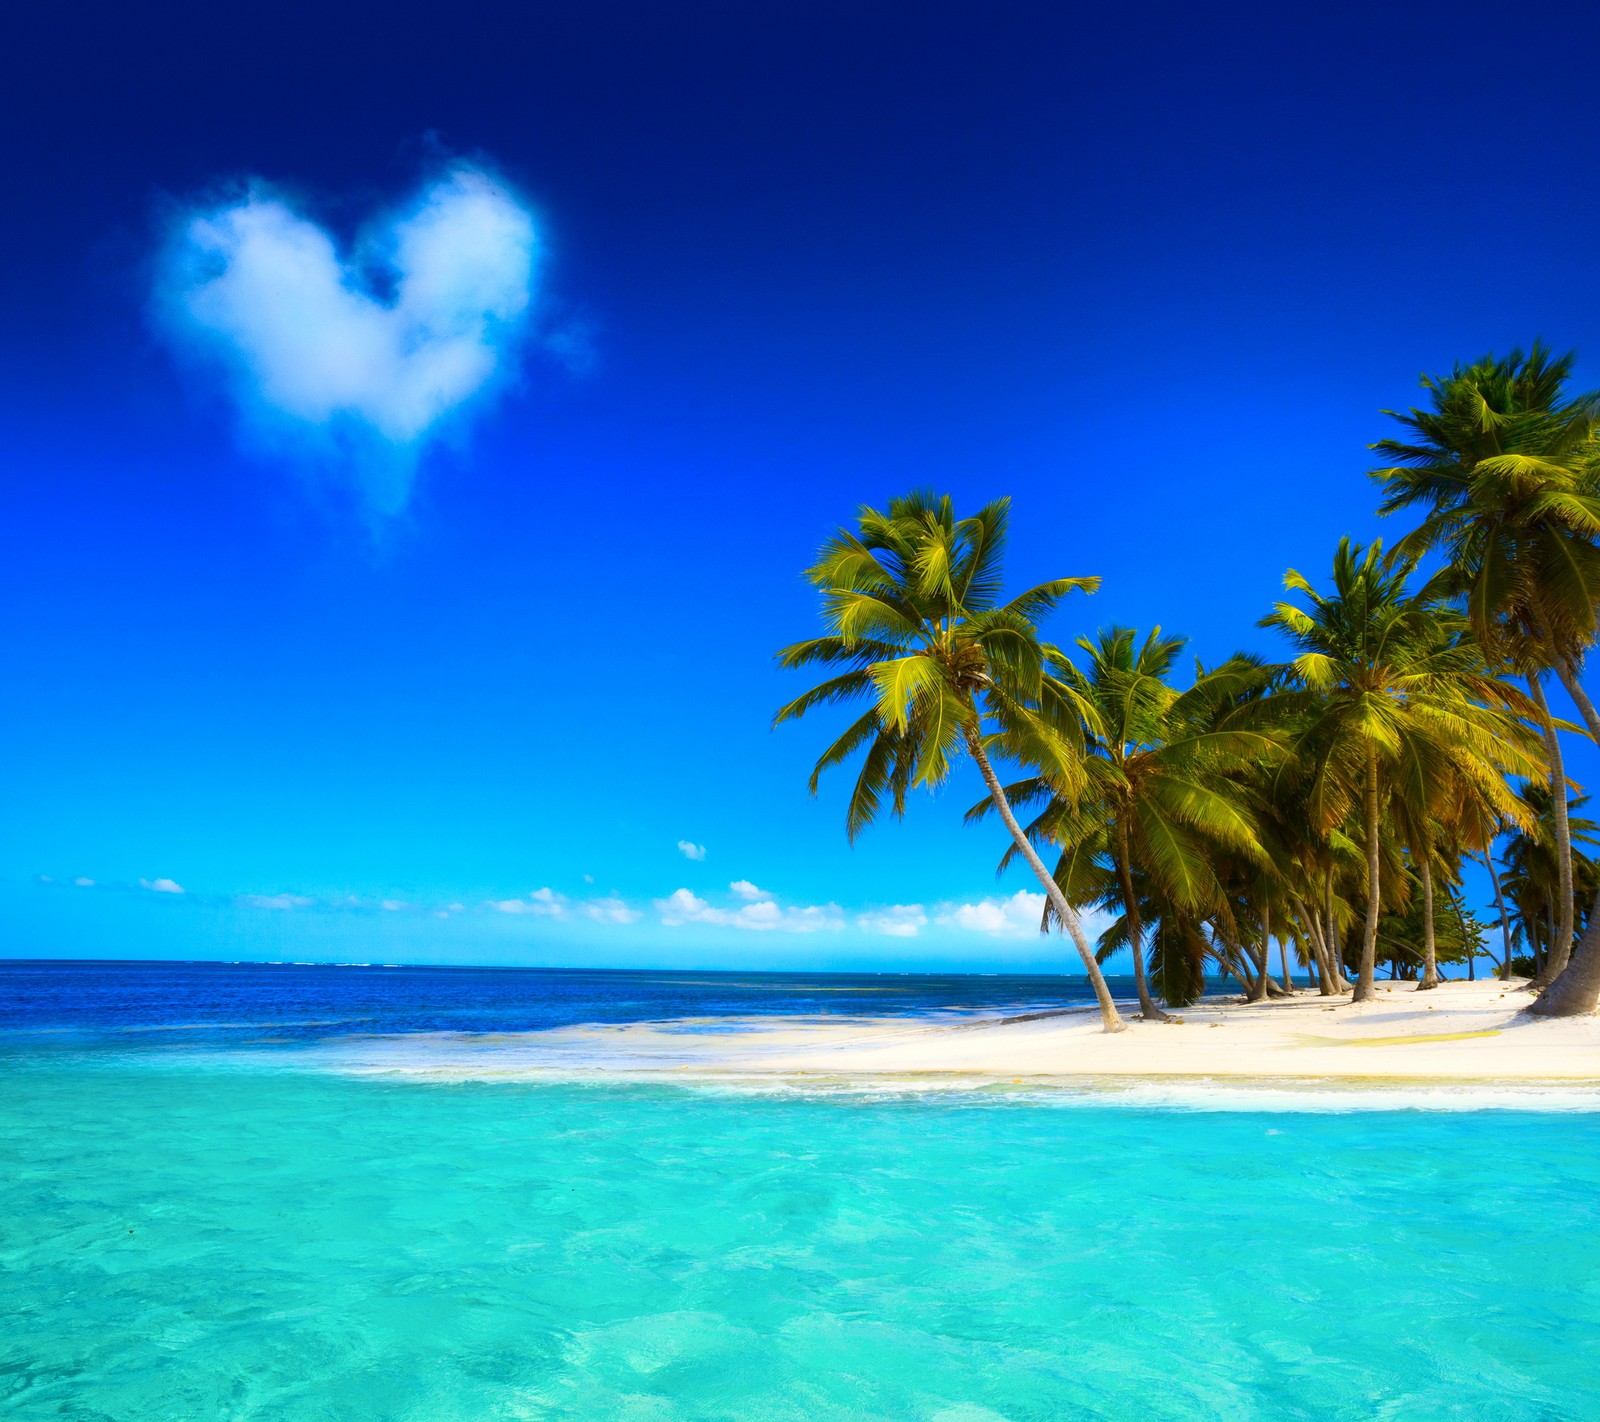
[
  {"x": 1130, "y": 906},
  {"x": 1058, "y": 901},
  {"x": 1430, "y": 954},
  {"x": 1263, "y": 983},
  {"x": 1466, "y": 938},
  {"x": 1341, "y": 979},
  {"x": 1561, "y": 937},
  {"x": 1577, "y": 990},
  {"x": 1238, "y": 964},
  {"x": 1500, "y": 904},
  {"x": 1369, "y": 938},
  {"x": 1319, "y": 947}
]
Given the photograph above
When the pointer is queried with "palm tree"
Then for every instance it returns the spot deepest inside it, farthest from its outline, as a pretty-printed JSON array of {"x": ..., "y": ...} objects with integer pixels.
[
  {"x": 1508, "y": 470},
  {"x": 1440, "y": 815},
  {"x": 1308, "y": 865},
  {"x": 911, "y": 600},
  {"x": 1388, "y": 679},
  {"x": 1175, "y": 941},
  {"x": 1455, "y": 936},
  {"x": 1154, "y": 800},
  {"x": 1531, "y": 861}
]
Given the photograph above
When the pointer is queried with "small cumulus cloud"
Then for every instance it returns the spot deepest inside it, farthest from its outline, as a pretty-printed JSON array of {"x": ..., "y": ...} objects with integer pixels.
[
  {"x": 746, "y": 890},
  {"x": 361, "y": 357},
  {"x": 83, "y": 883},
  {"x": 896, "y": 921},
  {"x": 161, "y": 886},
  {"x": 690, "y": 850},
  {"x": 611, "y": 910},
  {"x": 684, "y": 907},
  {"x": 547, "y": 903},
  {"x": 276, "y": 901},
  {"x": 394, "y": 905}
]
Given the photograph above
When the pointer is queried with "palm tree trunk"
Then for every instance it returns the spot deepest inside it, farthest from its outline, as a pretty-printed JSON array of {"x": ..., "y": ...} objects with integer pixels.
[
  {"x": 1341, "y": 979},
  {"x": 1430, "y": 948},
  {"x": 1469, "y": 942},
  {"x": 1058, "y": 901},
  {"x": 1500, "y": 904},
  {"x": 1577, "y": 989},
  {"x": 1561, "y": 940},
  {"x": 1258, "y": 989},
  {"x": 1130, "y": 906},
  {"x": 1319, "y": 948},
  {"x": 1283, "y": 957},
  {"x": 1241, "y": 967},
  {"x": 1365, "y": 990}
]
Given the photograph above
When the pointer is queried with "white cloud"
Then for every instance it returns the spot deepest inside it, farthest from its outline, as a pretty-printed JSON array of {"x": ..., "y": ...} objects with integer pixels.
[
  {"x": 611, "y": 910},
  {"x": 162, "y": 886},
  {"x": 897, "y": 920},
  {"x": 276, "y": 901},
  {"x": 1016, "y": 916},
  {"x": 683, "y": 907},
  {"x": 746, "y": 890},
  {"x": 394, "y": 905},
  {"x": 547, "y": 903},
  {"x": 83, "y": 883},
  {"x": 690, "y": 850},
  {"x": 313, "y": 348},
  {"x": 542, "y": 902}
]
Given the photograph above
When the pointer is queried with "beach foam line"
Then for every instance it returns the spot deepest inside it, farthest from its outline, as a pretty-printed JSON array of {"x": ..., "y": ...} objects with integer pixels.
[
  {"x": 442, "y": 1060},
  {"x": 1277, "y": 1095}
]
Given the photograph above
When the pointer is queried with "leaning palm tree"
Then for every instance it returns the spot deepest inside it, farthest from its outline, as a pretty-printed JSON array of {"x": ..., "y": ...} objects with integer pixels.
[
  {"x": 1154, "y": 797},
  {"x": 1388, "y": 678},
  {"x": 1507, "y": 468},
  {"x": 911, "y": 600}
]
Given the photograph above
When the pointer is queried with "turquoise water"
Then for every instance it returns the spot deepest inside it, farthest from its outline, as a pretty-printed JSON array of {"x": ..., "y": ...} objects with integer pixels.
[{"x": 188, "y": 1238}]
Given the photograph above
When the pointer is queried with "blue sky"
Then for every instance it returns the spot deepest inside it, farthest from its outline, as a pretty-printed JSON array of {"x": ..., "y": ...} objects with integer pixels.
[{"x": 508, "y": 628}]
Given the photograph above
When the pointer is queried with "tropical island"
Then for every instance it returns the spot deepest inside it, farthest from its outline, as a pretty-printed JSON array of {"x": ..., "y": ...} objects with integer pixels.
[{"x": 1327, "y": 804}]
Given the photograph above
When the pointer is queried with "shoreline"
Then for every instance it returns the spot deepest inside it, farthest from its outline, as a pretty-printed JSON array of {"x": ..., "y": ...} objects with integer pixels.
[{"x": 1467, "y": 1035}]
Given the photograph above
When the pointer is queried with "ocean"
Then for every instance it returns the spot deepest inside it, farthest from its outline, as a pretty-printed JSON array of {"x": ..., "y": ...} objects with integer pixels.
[{"x": 205, "y": 1214}]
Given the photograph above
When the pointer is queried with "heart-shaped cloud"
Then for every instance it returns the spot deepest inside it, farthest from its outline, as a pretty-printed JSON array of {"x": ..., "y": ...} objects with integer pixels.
[{"x": 314, "y": 351}]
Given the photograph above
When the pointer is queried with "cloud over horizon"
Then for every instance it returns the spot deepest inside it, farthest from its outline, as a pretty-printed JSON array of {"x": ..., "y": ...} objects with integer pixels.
[
  {"x": 162, "y": 886},
  {"x": 365, "y": 356}
]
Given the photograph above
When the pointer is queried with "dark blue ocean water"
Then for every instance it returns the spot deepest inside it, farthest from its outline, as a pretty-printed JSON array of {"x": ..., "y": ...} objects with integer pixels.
[{"x": 233, "y": 1003}]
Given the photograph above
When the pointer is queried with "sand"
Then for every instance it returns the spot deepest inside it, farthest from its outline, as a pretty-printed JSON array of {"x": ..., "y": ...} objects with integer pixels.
[{"x": 1460, "y": 1032}]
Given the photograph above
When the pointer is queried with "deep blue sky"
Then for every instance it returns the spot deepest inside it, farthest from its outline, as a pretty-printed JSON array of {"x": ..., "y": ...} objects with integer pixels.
[{"x": 1151, "y": 270}]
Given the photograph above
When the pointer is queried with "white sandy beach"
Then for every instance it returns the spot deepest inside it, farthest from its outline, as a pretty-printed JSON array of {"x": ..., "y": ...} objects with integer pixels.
[{"x": 1460, "y": 1032}]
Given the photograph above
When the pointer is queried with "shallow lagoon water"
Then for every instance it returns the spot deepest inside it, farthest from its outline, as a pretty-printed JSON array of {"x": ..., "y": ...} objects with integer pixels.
[{"x": 229, "y": 1234}]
